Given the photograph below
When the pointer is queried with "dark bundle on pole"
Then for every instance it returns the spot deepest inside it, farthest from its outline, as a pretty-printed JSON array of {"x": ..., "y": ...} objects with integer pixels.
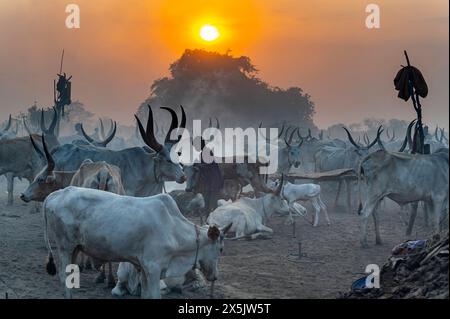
[
  {"x": 64, "y": 88},
  {"x": 410, "y": 83}
]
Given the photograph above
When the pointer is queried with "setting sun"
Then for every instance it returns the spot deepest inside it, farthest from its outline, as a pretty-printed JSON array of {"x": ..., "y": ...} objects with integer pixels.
[{"x": 209, "y": 33}]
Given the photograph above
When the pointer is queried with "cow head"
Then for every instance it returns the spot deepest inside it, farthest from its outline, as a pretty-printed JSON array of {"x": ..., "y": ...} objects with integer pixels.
[
  {"x": 211, "y": 251},
  {"x": 165, "y": 169},
  {"x": 360, "y": 149},
  {"x": 50, "y": 133},
  {"x": 45, "y": 182},
  {"x": 291, "y": 154}
]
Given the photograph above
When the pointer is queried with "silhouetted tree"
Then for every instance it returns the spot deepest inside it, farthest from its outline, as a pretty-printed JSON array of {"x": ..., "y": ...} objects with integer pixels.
[{"x": 212, "y": 84}]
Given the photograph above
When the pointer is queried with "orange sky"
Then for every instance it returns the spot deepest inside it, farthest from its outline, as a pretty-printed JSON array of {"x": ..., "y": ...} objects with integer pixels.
[{"x": 322, "y": 46}]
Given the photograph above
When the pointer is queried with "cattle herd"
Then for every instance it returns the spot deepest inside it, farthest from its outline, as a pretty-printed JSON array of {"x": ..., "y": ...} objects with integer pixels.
[{"x": 102, "y": 206}]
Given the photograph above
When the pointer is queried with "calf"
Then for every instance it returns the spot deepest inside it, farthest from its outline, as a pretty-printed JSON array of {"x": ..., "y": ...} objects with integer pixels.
[{"x": 306, "y": 192}]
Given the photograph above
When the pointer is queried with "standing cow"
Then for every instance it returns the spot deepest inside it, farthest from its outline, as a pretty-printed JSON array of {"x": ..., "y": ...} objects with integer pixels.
[{"x": 153, "y": 235}]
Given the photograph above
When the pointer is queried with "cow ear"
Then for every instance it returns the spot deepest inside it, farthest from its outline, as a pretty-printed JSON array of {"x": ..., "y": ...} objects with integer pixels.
[{"x": 213, "y": 232}]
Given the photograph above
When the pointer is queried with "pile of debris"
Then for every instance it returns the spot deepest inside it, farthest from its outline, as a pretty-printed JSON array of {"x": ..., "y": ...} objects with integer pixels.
[{"x": 416, "y": 269}]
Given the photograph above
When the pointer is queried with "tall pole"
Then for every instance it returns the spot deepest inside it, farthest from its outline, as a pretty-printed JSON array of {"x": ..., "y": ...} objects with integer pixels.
[{"x": 62, "y": 60}]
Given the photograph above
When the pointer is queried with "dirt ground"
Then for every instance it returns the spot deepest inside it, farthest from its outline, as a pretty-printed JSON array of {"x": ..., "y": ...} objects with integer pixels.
[{"x": 248, "y": 269}]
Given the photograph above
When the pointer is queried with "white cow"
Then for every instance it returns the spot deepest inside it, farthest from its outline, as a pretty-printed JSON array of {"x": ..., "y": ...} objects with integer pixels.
[
  {"x": 149, "y": 232},
  {"x": 305, "y": 192},
  {"x": 248, "y": 216}
]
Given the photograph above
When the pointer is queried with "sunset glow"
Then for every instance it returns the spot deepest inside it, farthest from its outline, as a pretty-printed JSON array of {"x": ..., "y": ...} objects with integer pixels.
[{"x": 209, "y": 33}]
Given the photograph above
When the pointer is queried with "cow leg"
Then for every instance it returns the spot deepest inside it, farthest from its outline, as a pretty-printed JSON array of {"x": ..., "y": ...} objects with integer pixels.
[
  {"x": 325, "y": 210},
  {"x": 412, "y": 218},
  {"x": 262, "y": 232},
  {"x": 369, "y": 207},
  {"x": 120, "y": 289},
  {"x": 426, "y": 215},
  {"x": 348, "y": 185},
  {"x": 150, "y": 281},
  {"x": 10, "y": 188},
  {"x": 316, "y": 206},
  {"x": 435, "y": 211},
  {"x": 111, "y": 279},
  {"x": 376, "y": 221},
  {"x": 101, "y": 276},
  {"x": 336, "y": 200}
]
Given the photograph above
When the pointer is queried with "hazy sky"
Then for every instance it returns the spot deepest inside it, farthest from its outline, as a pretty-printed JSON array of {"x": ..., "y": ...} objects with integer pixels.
[{"x": 321, "y": 46}]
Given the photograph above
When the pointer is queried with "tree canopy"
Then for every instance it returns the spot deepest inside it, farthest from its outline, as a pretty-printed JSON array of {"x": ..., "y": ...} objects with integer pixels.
[{"x": 210, "y": 84}]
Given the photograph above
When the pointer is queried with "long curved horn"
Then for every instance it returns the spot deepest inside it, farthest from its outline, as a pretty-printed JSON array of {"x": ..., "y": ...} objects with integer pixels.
[
  {"x": 378, "y": 139},
  {"x": 111, "y": 129},
  {"x": 36, "y": 148},
  {"x": 321, "y": 135},
  {"x": 8, "y": 125},
  {"x": 87, "y": 137},
  {"x": 436, "y": 133},
  {"x": 51, "y": 129},
  {"x": 173, "y": 124},
  {"x": 110, "y": 137},
  {"x": 408, "y": 134},
  {"x": 48, "y": 156},
  {"x": 289, "y": 141},
  {"x": 380, "y": 129},
  {"x": 102, "y": 129},
  {"x": 281, "y": 131},
  {"x": 387, "y": 134},
  {"x": 309, "y": 133},
  {"x": 183, "y": 118},
  {"x": 149, "y": 136},
  {"x": 350, "y": 138}
]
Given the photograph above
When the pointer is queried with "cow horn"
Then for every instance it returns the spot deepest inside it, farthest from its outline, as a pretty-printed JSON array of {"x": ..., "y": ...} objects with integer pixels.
[
  {"x": 111, "y": 135},
  {"x": 281, "y": 131},
  {"x": 443, "y": 137},
  {"x": 280, "y": 186},
  {"x": 408, "y": 134},
  {"x": 436, "y": 133},
  {"x": 8, "y": 125},
  {"x": 309, "y": 133},
  {"x": 380, "y": 129},
  {"x": 51, "y": 129},
  {"x": 173, "y": 124},
  {"x": 102, "y": 129},
  {"x": 378, "y": 139},
  {"x": 321, "y": 135},
  {"x": 289, "y": 141},
  {"x": 36, "y": 148},
  {"x": 48, "y": 156},
  {"x": 87, "y": 137},
  {"x": 350, "y": 138},
  {"x": 149, "y": 135},
  {"x": 183, "y": 118}
]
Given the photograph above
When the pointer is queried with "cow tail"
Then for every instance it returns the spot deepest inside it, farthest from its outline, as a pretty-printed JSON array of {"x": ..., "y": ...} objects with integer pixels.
[{"x": 51, "y": 267}]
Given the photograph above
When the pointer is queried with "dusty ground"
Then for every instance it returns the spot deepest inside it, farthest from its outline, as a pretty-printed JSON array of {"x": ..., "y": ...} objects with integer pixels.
[{"x": 248, "y": 269}]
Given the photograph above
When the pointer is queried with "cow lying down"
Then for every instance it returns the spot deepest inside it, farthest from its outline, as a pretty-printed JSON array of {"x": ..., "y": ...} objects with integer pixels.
[
  {"x": 248, "y": 216},
  {"x": 149, "y": 232}
]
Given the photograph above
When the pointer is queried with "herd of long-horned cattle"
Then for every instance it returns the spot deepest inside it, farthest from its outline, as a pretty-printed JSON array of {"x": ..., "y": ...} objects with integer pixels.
[{"x": 101, "y": 205}]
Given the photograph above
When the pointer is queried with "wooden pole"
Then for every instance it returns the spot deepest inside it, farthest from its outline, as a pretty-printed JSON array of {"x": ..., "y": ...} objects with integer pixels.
[{"x": 62, "y": 60}]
